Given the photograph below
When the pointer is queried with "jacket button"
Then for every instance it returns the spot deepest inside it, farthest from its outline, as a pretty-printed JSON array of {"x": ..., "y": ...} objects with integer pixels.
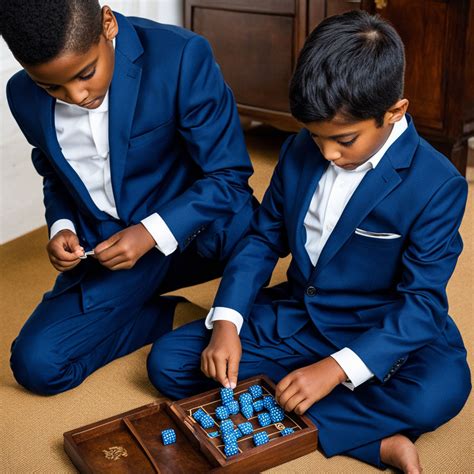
[{"x": 311, "y": 291}]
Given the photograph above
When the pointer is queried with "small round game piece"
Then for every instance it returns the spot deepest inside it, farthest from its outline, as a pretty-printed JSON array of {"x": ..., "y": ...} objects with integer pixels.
[
  {"x": 213, "y": 434},
  {"x": 268, "y": 402},
  {"x": 260, "y": 438},
  {"x": 222, "y": 413},
  {"x": 277, "y": 414},
  {"x": 233, "y": 407},
  {"x": 227, "y": 427},
  {"x": 247, "y": 411},
  {"x": 264, "y": 419},
  {"x": 245, "y": 398},
  {"x": 287, "y": 431},
  {"x": 258, "y": 405},
  {"x": 198, "y": 414},
  {"x": 238, "y": 433},
  {"x": 227, "y": 395},
  {"x": 256, "y": 391},
  {"x": 231, "y": 449},
  {"x": 246, "y": 428},
  {"x": 207, "y": 421},
  {"x": 168, "y": 436},
  {"x": 229, "y": 438}
]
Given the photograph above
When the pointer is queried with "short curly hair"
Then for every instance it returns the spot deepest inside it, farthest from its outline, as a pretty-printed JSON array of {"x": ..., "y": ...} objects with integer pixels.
[{"x": 37, "y": 31}]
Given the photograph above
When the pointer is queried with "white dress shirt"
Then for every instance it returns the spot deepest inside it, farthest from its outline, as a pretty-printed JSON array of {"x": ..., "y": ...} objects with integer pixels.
[
  {"x": 334, "y": 190},
  {"x": 83, "y": 135}
]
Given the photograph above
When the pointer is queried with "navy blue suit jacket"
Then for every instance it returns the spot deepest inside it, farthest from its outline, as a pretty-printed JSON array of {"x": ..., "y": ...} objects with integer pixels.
[
  {"x": 381, "y": 298},
  {"x": 176, "y": 144}
]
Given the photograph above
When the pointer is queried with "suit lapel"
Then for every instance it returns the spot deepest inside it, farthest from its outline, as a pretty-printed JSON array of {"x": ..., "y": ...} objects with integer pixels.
[
  {"x": 374, "y": 187},
  {"x": 122, "y": 101},
  {"x": 313, "y": 168},
  {"x": 45, "y": 108}
]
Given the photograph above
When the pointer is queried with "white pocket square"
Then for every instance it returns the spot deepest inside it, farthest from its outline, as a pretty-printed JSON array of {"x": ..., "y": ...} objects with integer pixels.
[{"x": 377, "y": 235}]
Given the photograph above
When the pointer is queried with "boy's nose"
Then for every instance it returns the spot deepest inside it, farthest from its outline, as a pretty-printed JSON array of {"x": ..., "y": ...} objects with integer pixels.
[
  {"x": 331, "y": 153},
  {"x": 76, "y": 96}
]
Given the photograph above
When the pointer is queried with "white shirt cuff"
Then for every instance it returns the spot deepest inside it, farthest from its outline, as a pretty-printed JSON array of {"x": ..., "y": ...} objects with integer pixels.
[
  {"x": 59, "y": 225},
  {"x": 220, "y": 313},
  {"x": 161, "y": 233},
  {"x": 357, "y": 372}
]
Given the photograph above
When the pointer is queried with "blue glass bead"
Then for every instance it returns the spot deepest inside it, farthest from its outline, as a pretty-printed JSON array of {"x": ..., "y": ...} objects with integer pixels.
[
  {"x": 246, "y": 428},
  {"x": 227, "y": 427},
  {"x": 264, "y": 419},
  {"x": 247, "y": 411},
  {"x": 233, "y": 407},
  {"x": 198, "y": 414},
  {"x": 277, "y": 414},
  {"x": 258, "y": 405},
  {"x": 207, "y": 421},
  {"x": 268, "y": 402},
  {"x": 260, "y": 438},
  {"x": 222, "y": 413},
  {"x": 256, "y": 391},
  {"x": 287, "y": 431},
  {"x": 227, "y": 395},
  {"x": 245, "y": 398},
  {"x": 168, "y": 436},
  {"x": 231, "y": 449},
  {"x": 229, "y": 438}
]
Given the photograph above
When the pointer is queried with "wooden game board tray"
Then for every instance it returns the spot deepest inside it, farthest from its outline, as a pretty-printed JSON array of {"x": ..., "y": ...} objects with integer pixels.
[{"x": 131, "y": 442}]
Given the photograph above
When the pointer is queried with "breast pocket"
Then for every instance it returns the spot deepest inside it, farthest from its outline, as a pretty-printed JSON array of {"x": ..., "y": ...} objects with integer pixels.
[{"x": 158, "y": 134}]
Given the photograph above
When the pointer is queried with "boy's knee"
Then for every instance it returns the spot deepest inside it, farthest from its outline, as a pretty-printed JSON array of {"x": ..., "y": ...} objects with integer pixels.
[
  {"x": 35, "y": 366},
  {"x": 162, "y": 365},
  {"x": 440, "y": 398}
]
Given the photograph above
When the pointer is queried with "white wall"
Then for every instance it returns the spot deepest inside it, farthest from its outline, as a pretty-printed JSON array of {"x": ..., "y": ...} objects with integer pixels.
[{"x": 21, "y": 200}]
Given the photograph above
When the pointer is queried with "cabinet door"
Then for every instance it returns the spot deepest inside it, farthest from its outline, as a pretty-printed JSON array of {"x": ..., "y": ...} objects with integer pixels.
[
  {"x": 428, "y": 30},
  {"x": 320, "y": 9},
  {"x": 255, "y": 43}
]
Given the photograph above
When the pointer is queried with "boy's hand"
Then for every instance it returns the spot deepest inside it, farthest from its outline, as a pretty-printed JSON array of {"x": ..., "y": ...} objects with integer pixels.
[
  {"x": 303, "y": 387},
  {"x": 220, "y": 359},
  {"x": 123, "y": 249},
  {"x": 64, "y": 250}
]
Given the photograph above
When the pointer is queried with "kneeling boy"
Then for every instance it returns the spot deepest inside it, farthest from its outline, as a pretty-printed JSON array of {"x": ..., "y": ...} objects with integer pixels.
[{"x": 359, "y": 337}]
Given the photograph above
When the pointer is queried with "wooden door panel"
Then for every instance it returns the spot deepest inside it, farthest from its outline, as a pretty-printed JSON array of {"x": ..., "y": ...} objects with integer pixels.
[{"x": 255, "y": 52}]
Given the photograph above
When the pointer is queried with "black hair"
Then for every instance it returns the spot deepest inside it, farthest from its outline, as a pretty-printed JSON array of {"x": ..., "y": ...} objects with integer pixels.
[
  {"x": 37, "y": 31},
  {"x": 352, "y": 64}
]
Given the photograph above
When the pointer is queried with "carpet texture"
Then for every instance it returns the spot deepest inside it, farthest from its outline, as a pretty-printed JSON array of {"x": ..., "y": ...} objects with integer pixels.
[{"x": 32, "y": 426}]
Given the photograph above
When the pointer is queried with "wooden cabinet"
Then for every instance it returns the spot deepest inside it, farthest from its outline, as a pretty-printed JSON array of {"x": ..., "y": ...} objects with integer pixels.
[{"x": 256, "y": 43}]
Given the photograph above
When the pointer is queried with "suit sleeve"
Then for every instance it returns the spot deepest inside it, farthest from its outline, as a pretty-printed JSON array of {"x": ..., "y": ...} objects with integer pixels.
[
  {"x": 428, "y": 262},
  {"x": 254, "y": 259},
  {"x": 57, "y": 201},
  {"x": 210, "y": 125}
]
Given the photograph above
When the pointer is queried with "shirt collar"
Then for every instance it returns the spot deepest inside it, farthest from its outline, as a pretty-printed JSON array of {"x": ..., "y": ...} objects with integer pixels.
[{"x": 398, "y": 128}]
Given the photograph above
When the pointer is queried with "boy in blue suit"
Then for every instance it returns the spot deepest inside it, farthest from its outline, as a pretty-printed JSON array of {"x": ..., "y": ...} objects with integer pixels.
[
  {"x": 359, "y": 337},
  {"x": 139, "y": 143}
]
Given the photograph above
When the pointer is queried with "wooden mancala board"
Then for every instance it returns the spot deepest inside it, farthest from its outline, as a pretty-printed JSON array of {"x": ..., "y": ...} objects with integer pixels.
[{"x": 131, "y": 442}]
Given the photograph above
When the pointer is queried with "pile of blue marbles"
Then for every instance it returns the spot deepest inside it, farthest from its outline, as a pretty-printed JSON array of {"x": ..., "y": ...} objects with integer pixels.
[{"x": 249, "y": 403}]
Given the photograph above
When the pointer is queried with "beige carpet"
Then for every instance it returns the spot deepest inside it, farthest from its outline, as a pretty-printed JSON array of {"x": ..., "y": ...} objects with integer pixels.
[{"x": 32, "y": 426}]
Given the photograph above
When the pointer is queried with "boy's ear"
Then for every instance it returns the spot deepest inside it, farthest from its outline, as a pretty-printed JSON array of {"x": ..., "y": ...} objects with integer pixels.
[
  {"x": 109, "y": 23},
  {"x": 396, "y": 111}
]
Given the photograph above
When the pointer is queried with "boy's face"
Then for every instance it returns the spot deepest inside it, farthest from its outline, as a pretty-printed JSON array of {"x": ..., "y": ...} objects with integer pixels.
[
  {"x": 80, "y": 79},
  {"x": 348, "y": 144}
]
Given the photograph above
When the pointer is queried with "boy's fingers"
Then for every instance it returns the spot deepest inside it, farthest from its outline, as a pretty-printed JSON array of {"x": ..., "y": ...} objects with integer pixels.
[
  {"x": 221, "y": 371},
  {"x": 282, "y": 385},
  {"x": 211, "y": 369},
  {"x": 233, "y": 371},
  {"x": 111, "y": 241}
]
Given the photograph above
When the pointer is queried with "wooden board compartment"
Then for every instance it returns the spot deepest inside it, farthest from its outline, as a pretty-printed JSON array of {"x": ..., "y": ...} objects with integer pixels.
[{"x": 131, "y": 442}]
